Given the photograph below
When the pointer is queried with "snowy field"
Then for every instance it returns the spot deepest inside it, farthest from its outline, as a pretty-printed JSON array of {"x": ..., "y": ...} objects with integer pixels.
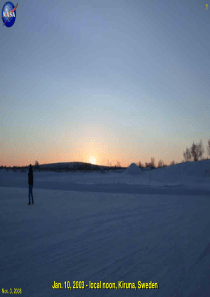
[{"x": 129, "y": 226}]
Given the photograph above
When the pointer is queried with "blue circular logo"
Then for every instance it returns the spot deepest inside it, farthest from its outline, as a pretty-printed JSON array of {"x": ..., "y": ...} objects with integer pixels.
[{"x": 9, "y": 14}]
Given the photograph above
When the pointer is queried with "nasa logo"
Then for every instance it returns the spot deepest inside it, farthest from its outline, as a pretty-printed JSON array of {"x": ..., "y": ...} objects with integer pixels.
[{"x": 9, "y": 14}]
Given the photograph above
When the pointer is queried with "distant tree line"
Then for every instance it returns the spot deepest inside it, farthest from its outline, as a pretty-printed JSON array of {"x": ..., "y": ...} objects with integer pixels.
[
  {"x": 194, "y": 153},
  {"x": 151, "y": 164}
]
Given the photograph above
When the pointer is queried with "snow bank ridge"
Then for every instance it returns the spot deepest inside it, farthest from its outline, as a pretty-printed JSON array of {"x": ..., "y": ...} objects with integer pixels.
[{"x": 133, "y": 169}]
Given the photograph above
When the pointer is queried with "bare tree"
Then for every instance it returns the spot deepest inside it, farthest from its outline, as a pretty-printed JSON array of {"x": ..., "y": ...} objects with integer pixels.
[
  {"x": 185, "y": 156},
  {"x": 188, "y": 154},
  {"x": 141, "y": 165},
  {"x": 147, "y": 165},
  {"x": 197, "y": 151},
  {"x": 160, "y": 163},
  {"x": 173, "y": 163},
  {"x": 36, "y": 163},
  {"x": 152, "y": 163},
  {"x": 200, "y": 150},
  {"x": 194, "y": 152},
  {"x": 118, "y": 164}
]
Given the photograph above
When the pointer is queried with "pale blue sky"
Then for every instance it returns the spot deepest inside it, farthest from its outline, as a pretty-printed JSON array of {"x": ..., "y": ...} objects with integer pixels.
[{"x": 113, "y": 80}]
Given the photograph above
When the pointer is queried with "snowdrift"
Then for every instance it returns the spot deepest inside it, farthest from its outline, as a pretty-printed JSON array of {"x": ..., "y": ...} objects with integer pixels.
[
  {"x": 133, "y": 169},
  {"x": 187, "y": 178},
  {"x": 196, "y": 169},
  {"x": 184, "y": 174}
]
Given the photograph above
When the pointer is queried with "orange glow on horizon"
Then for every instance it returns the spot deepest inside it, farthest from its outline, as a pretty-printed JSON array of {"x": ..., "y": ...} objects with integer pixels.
[
  {"x": 93, "y": 159},
  {"x": 94, "y": 152}
]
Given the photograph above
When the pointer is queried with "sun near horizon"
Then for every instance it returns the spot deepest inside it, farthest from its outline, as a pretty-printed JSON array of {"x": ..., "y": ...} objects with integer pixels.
[{"x": 92, "y": 160}]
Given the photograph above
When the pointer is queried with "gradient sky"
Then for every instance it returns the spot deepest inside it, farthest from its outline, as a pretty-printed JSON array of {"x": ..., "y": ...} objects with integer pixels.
[{"x": 112, "y": 80}]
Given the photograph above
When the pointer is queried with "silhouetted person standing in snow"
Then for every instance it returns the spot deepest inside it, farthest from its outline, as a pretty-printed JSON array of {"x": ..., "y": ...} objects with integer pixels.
[{"x": 30, "y": 182}]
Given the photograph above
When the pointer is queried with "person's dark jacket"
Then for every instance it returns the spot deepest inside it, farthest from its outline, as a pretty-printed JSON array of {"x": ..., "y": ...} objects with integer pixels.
[{"x": 30, "y": 178}]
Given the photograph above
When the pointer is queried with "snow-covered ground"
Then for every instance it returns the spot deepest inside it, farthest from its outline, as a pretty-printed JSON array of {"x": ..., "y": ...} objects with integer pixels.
[{"x": 108, "y": 227}]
